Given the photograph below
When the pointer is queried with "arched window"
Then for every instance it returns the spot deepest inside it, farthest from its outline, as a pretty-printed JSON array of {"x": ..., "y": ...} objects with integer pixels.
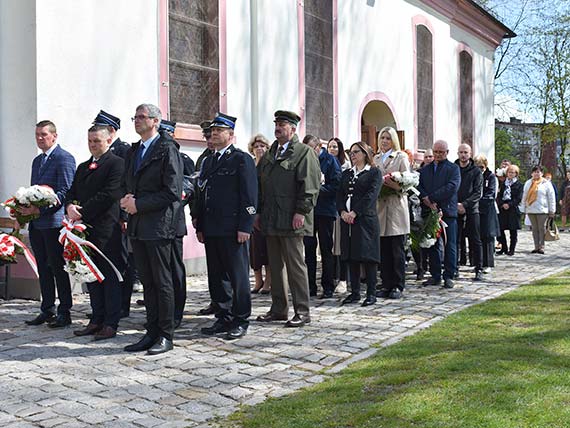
[
  {"x": 193, "y": 60},
  {"x": 466, "y": 96},
  {"x": 424, "y": 79},
  {"x": 319, "y": 116}
]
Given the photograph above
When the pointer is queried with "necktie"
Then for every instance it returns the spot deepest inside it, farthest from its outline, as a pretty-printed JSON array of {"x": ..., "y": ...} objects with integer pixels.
[
  {"x": 217, "y": 156},
  {"x": 434, "y": 167},
  {"x": 280, "y": 152},
  {"x": 43, "y": 160},
  {"x": 139, "y": 157}
]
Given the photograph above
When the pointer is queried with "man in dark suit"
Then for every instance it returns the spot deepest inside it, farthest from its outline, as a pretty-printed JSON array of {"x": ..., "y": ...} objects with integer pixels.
[
  {"x": 153, "y": 186},
  {"x": 126, "y": 263},
  {"x": 439, "y": 182},
  {"x": 225, "y": 214},
  {"x": 94, "y": 200},
  {"x": 55, "y": 168}
]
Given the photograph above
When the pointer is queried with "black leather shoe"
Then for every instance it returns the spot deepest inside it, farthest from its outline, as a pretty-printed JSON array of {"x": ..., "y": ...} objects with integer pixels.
[
  {"x": 208, "y": 310},
  {"x": 269, "y": 317},
  {"x": 297, "y": 321},
  {"x": 89, "y": 329},
  {"x": 383, "y": 293},
  {"x": 478, "y": 276},
  {"x": 351, "y": 298},
  {"x": 216, "y": 328},
  {"x": 40, "y": 319},
  {"x": 448, "y": 283},
  {"x": 60, "y": 321},
  {"x": 140, "y": 302},
  {"x": 431, "y": 281},
  {"x": 236, "y": 332},
  {"x": 395, "y": 294},
  {"x": 326, "y": 295},
  {"x": 142, "y": 345},
  {"x": 370, "y": 300},
  {"x": 162, "y": 345}
]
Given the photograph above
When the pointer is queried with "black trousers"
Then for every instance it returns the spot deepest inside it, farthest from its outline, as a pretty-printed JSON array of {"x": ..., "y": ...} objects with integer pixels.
[
  {"x": 323, "y": 230},
  {"x": 472, "y": 231},
  {"x": 488, "y": 252},
  {"x": 370, "y": 268},
  {"x": 105, "y": 297},
  {"x": 513, "y": 241},
  {"x": 153, "y": 264},
  {"x": 49, "y": 257},
  {"x": 393, "y": 266},
  {"x": 228, "y": 260},
  {"x": 178, "y": 278}
]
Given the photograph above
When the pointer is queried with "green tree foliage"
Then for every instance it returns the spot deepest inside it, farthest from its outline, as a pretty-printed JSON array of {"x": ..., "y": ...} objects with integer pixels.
[{"x": 503, "y": 146}]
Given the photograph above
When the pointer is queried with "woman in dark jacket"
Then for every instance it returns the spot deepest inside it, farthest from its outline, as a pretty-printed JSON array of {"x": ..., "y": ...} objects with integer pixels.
[
  {"x": 488, "y": 214},
  {"x": 360, "y": 230},
  {"x": 508, "y": 199}
]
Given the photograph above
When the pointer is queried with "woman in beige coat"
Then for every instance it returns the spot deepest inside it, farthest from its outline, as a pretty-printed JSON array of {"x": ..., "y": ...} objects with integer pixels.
[{"x": 393, "y": 215}]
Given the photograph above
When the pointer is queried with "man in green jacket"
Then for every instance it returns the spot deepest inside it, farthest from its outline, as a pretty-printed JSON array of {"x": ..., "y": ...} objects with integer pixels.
[{"x": 290, "y": 177}]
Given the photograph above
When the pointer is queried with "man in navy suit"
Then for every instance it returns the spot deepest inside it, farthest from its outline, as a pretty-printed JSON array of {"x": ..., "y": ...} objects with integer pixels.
[
  {"x": 439, "y": 182},
  {"x": 55, "y": 168},
  {"x": 225, "y": 213}
]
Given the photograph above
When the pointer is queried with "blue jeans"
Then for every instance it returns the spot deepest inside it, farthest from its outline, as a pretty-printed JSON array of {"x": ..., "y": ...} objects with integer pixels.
[{"x": 450, "y": 252}]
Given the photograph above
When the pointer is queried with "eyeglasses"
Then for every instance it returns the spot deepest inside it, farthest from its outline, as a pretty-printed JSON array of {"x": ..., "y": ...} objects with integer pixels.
[
  {"x": 354, "y": 152},
  {"x": 140, "y": 117}
]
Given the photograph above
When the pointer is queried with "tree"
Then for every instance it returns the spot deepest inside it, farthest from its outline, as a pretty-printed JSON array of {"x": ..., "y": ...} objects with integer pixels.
[{"x": 503, "y": 146}]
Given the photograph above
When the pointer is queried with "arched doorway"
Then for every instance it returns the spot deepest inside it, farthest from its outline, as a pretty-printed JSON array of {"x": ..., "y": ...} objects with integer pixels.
[{"x": 376, "y": 112}]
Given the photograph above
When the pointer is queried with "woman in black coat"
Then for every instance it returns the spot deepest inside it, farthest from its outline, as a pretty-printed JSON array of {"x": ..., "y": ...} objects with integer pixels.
[
  {"x": 360, "y": 230},
  {"x": 508, "y": 199},
  {"x": 488, "y": 213}
]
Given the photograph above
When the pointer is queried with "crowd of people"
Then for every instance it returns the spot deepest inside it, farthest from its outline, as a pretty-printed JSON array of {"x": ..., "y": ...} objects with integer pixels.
[{"x": 270, "y": 210}]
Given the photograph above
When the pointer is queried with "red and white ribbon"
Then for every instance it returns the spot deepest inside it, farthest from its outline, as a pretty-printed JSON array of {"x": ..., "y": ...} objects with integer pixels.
[
  {"x": 66, "y": 236},
  {"x": 8, "y": 244}
]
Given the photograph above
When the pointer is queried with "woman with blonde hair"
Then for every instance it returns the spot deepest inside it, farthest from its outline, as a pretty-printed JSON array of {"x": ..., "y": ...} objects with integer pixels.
[
  {"x": 508, "y": 200},
  {"x": 393, "y": 214},
  {"x": 257, "y": 147}
]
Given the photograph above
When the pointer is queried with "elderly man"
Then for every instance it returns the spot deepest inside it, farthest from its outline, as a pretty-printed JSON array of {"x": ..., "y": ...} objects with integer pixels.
[
  {"x": 153, "y": 187},
  {"x": 94, "y": 199},
  {"x": 225, "y": 213},
  {"x": 439, "y": 182},
  {"x": 468, "y": 197},
  {"x": 54, "y": 167},
  {"x": 290, "y": 180}
]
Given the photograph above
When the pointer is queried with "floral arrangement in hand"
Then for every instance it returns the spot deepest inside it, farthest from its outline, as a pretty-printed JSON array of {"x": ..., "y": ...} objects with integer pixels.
[
  {"x": 407, "y": 181},
  {"x": 37, "y": 196},
  {"x": 427, "y": 235},
  {"x": 501, "y": 172}
]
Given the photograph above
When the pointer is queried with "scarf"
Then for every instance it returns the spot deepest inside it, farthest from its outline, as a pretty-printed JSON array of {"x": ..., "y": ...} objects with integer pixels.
[
  {"x": 507, "y": 192},
  {"x": 533, "y": 191}
]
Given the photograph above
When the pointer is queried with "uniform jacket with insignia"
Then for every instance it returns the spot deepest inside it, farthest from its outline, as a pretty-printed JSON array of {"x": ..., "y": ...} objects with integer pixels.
[
  {"x": 289, "y": 185},
  {"x": 228, "y": 194}
]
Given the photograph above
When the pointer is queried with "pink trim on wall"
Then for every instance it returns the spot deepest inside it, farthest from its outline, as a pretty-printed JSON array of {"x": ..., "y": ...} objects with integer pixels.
[
  {"x": 335, "y": 67},
  {"x": 422, "y": 20},
  {"x": 463, "y": 47},
  {"x": 163, "y": 72},
  {"x": 376, "y": 96},
  {"x": 222, "y": 34},
  {"x": 301, "y": 61}
]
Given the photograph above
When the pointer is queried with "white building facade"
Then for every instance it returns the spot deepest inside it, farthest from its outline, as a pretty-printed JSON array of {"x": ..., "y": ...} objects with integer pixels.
[{"x": 348, "y": 67}]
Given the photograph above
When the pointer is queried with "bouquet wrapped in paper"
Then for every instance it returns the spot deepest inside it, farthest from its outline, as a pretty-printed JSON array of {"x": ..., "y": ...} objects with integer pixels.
[
  {"x": 77, "y": 253},
  {"x": 34, "y": 196},
  {"x": 407, "y": 180},
  {"x": 427, "y": 235}
]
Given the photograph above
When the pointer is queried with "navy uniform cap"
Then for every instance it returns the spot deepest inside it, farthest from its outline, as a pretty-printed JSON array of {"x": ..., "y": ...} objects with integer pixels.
[
  {"x": 287, "y": 116},
  {"x": 205, "y": 125},
  {"x": 107, "y": 119},
  {"x": 223, "y": 121},
  {"x": 167, "y": 125}
]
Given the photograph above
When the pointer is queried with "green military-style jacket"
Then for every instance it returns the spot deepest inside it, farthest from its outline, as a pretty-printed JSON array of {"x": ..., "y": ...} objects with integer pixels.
[{"x": 288, "y": 185}]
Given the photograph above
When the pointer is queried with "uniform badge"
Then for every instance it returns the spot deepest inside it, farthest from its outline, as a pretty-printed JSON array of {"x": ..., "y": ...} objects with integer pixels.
[
  {"x": 251, "y": 210},
  {"x": 93, "y": 165}
]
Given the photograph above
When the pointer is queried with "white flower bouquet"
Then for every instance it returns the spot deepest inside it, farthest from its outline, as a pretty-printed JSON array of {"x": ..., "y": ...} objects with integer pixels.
[
  {"x": 36, "y": 196},
  {"x": 407, "y": 181}
]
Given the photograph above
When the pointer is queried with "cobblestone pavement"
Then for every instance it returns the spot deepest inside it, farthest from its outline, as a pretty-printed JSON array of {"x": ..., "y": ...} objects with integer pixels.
[{"x": 52, "y": 378}]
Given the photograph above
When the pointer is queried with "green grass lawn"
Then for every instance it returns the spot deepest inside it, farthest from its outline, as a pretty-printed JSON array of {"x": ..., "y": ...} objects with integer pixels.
[{"x": 504, "y": 363}]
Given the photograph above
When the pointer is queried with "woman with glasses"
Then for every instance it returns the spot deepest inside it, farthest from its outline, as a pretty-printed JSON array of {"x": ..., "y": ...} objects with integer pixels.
[
  {"x": 393, "y": 214},
  {"x": 356, "y": 204},
  {"x": 489, "y": 220},
  {"x": 257, "y": 147},
  {"x": 539, "y": 203}
]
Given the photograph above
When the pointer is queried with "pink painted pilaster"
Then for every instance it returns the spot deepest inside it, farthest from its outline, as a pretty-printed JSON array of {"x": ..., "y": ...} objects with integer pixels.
[
  {"x": 163, "y": 77},
  {"x": 335, "y": 67},
  {"x": 222, "y": 33},
  {"x": 376, "y": 96},
  {"x": 301, "y": 62}
]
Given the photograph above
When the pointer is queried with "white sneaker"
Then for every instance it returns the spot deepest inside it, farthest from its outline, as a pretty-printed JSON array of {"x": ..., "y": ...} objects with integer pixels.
[{"x": 341, "y": 287}]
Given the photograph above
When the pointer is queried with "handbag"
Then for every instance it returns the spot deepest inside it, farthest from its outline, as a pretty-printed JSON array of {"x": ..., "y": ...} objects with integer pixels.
[{"x": 551, "y": 233}]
